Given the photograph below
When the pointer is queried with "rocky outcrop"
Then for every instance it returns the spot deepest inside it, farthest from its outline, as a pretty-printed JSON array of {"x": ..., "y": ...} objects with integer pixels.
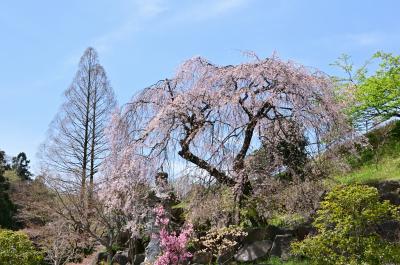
[
  {"x": 253, "y": 251},
  {"x": 100, "y": 256},
  {"x": 281, "y": 246},
  {"x": 389, "y": 190},
  {"x": 163, "y": 195},
  {"x": 138, "y": 259},
  {"x": 121, "y": 258}
]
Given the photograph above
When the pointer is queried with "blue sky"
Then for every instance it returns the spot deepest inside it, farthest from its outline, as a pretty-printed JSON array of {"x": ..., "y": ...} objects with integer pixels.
[{"x": 140, "y": 42}]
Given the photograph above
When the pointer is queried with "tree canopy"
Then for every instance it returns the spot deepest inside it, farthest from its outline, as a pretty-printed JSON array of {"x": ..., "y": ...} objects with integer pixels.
[
  {"x": 373, "y": 97},
  {"x": 20, "y": 164},
  {"x": 212, "y": 117}
]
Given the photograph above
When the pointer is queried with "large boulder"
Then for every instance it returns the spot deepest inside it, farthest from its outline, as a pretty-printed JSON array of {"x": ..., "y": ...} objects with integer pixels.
[
  {"x": 261, "y": 233},
  {"x": 301, "y": 231},
  {"x": 281, "y": 246},
  {"x": 389, "y": 190},
  {"x": 121, "y": 257},
  {"x": 390, "y": 230},
  {"x": 253, "y": 251}
]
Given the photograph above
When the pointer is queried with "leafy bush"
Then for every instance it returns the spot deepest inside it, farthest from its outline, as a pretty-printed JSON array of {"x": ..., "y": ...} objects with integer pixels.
[
  {"x": 347, "y": 226},
  {"x": 16, "y": 248}
]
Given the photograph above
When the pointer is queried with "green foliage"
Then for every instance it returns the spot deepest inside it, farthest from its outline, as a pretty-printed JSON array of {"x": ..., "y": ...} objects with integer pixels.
[
  {"x": 16, "y": 248},
  {"x": 20, "y": 164},
  {"x": 347, "y": 229},
  {"x": 7, "y": 208},
  {"x": 286, "y": 221},
  {"x": 376, "y": 96}
]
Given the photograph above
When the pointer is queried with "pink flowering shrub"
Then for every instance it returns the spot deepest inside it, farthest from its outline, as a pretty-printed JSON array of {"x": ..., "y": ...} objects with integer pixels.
[{"x": 174, "y": 247}]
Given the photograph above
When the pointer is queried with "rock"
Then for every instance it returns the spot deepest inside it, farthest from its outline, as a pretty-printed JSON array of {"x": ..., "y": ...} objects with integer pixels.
[
  {"x": 153, "y": 250},
  {"x": 138, "y": 259},
  {"x": 136, "y": 246},
  {"x": 253, "y": 251},
  {"x": 226, "y": 258},
  {"x": 123, "y": 238},
  {"x": 303, "y": 230},
  {"x": 261, "y": 233},
  {"x": 388, "y": 186},
  {"x": 390, "y": 230},
  {"x": 101, "y": 256},
  {"x": 281, "y": 246},
  {"x": 202, "y": 258},
  {"x": 121, "y": 257},
  {"x": 162, "y": 194},
  {"x": 254, "y": 235},
  {"x": 389, "y": 190}
]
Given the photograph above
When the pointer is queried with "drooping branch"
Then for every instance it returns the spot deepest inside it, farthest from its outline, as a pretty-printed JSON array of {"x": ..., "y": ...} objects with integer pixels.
[
  {"x": 201, "y": 163},
  {"x": 212, "y": 116}
]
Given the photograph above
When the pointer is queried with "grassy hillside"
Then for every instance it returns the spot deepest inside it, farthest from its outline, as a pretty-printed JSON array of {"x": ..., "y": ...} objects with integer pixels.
[{"x": 381, "y": 161}]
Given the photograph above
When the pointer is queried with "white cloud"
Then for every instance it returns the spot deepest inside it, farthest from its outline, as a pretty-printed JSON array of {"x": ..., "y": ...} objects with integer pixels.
[
  {"x": 226, "y": 5},
  {"x": 150, "y": 8},
  {"x": 366, "y": 39},
  {"x": 141, "y": 12},
  {"x": 209, "y": 9}
]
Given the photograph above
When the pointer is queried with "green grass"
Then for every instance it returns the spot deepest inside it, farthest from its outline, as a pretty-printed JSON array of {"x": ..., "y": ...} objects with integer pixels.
[
  {"x": 387, "y": 168},
  {"x": 381, "y": 162},
  {"x": 287, "y": 221}
]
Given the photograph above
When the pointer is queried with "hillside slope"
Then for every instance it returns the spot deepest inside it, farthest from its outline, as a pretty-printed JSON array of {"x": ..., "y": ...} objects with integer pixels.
[{"x": 381, "y": 161}]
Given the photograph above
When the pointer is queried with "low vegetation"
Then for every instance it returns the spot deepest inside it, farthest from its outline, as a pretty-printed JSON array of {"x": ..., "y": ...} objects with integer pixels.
[
  {"x": 16, "y": 248},
  {"x": 348, "y": 226},
  {"x": 378, "y": 161}
]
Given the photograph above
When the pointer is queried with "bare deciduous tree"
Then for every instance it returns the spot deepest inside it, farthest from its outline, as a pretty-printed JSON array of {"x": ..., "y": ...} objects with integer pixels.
[{"x": 76, "y": 144}]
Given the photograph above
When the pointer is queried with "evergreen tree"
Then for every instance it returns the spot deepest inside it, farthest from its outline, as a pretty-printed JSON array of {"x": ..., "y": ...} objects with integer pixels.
[
  {"x": 20, "y": 164},
  {"x": 7, "y": 208}
]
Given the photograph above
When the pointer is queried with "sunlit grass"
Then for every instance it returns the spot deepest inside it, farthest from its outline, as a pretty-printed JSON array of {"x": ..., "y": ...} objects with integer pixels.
[
  {"x": 277, "y": 261},
  {"x": 387, "y": 168}
]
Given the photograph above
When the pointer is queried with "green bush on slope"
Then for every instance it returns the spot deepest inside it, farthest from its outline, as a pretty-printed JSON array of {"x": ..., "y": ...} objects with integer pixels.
[{"x": 347, "y": 224}]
